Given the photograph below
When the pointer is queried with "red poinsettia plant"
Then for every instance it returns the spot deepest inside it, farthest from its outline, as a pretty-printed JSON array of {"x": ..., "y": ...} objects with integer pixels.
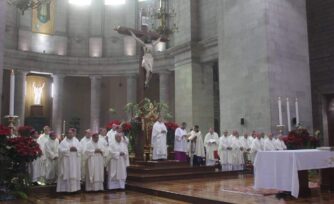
[
  {"x": 4, "y": 131},
  {"x": 23, "y": 149},
  {"x": 300, "y": 139},
  {"x": 171, "y": 126},
  {"x": 126, "y": 127},
  {"x": 111, "y": 123}
]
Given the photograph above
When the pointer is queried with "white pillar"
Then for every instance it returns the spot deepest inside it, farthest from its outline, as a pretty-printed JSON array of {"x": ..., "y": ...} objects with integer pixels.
[
  {"x": 20, "y": 90},
  {"x": 164, "y": 87},
  {"x": 95, "y": 102},
  {"x": 131, "y": 94},
  {"x": 57, "y": 103}
]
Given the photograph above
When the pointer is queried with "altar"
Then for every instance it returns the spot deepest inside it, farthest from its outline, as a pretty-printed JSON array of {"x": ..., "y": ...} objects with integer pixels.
[{"x": 287, "y": 170}]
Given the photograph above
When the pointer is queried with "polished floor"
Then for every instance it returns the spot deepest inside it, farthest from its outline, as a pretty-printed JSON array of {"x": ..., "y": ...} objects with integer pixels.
[
  {"x": 95, "y": 198},
  {"x": 235, "y": 191},
  {"x": 215, "y": 189}
]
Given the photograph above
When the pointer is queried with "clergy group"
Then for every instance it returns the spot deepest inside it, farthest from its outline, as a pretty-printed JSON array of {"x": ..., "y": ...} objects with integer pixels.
[
  {"x": 231, "y": 152},
  {"x": 99, "y": 160}
]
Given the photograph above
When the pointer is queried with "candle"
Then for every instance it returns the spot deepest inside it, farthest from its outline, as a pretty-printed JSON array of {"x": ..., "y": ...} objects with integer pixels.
[
  {"x": 12, "y": 92},
  {"x": 280, "y": 111},
  {"x": 297, "y": 112},
  {"x": 288, "y": 113}
]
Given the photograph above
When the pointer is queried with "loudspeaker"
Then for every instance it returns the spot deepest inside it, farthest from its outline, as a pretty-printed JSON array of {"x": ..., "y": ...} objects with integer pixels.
[
  {"x": 294, "y": 121},
  {"x": 242, "y": 121}
]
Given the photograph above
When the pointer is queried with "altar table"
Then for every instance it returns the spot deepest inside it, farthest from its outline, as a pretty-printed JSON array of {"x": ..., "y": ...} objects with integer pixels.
[{"x": 281, "y": 170}]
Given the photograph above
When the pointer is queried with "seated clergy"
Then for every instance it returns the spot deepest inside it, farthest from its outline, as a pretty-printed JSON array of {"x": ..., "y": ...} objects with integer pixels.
[
  {"x": 51, "y": 154},
  {"x": 211, "y": 141},
  {"x": 95, "y": 151},
  {"x": 196, "y": 147},
  {"x": 69, "y": 170},
  {"x": 118, "y": 163}
]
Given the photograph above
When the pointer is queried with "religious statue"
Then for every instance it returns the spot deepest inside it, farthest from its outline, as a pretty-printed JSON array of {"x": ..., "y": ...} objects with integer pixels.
[
  {"x": 38, "y": 90},
  {"x": 147, "y": 62}
]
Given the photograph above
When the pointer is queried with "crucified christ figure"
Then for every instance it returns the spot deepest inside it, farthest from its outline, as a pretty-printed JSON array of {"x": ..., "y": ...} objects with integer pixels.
[
  {"x": 147, "y": 62},
  {"x": 37, "y": 92}
]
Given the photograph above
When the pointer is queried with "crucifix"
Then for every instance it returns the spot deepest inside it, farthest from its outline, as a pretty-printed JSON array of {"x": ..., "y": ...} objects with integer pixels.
[{"x": 147, "y": 40}]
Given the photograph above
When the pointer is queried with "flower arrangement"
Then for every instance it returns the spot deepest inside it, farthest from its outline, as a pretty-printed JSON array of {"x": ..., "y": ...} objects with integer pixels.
[
  {"x": 300, "y": 139},
  {"x": 111, "y": 123},
  {"x": 15, "y": 156},
  {"x": 23, "y": 149}
]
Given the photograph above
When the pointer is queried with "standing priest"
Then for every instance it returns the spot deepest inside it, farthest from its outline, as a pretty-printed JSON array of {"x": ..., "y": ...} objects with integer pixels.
[
  {"x": 118, "y": 163},
  {"x": 180, "y": 143},
  {"x": 158, "y": 140},
  {"x": 95, "y": 151},
  {"x": 211, "y": 141},
  {"x": 69, "y": 171}
]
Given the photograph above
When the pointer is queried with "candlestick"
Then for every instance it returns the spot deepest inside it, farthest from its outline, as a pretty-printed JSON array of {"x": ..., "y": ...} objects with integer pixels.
[
  {"x": 297, "y": 112},
  {"x": 288, "y": 113},
  {"x": 12, "y": 92},
  {"x": 280, "y": 111}
]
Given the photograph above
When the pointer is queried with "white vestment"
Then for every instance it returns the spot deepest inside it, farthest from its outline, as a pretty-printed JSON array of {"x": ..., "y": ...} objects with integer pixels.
[
  {"x": 40, "y": 172},
  {"x": 51, "y": 152},
  {"x": 117, "y": 166},
  {"x": 95, "y": 166},
  {"x": 69, "y": 166},
  {"x": 255, "y": 147},
  {"x": 104, "y": 141},
  {"x": 211, "y": 142},
  {"x": 225, "y": 155},
  {"x": 158, "y": 141},
  {"x": 238, "y": 154},
  {"x": 269, "y": 145},
  {"x": 279, "y": 144},
  {"x": 34, "y": 169},
  {"x": 83, "y": 144},
  {"x": 111, "y": 136},
  {"x": 180, "y": 142},
  {"x": 195, "y": 145}
]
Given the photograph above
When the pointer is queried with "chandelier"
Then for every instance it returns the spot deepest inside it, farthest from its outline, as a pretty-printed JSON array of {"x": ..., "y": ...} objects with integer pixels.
[{"x": 24, "y": 5}]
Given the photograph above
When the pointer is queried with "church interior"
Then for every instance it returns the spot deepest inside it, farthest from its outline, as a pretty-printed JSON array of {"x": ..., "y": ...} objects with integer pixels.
[{"x": 192, "y": 101}]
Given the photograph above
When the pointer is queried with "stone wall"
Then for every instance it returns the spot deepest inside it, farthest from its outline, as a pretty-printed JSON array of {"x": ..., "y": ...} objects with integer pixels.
[{"x": 321, "y": 48}]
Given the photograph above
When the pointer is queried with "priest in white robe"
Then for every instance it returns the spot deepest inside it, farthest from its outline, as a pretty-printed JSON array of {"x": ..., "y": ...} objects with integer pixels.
[
  {"x": 51, "y": 154},
  {"x": 95, "y": 152},
  {"x": 69, "y": 166},
  {"x": 119, "y": 162},
  {"x": 255, "y": 147},
  {"x": 34, "y": 167},
  {"x": 111, "y": 134},
  {"x": 158, "y": 140},
  {"x": 196, "y": 147},
  {"x": 103, "y": 138},
  {"x": 280, "y": 144},
  {"x": 83, "y": 144},
  {"x": 238, "y": 152},
  {"x": 180, "y": 143},
  {"x": 43, "y": 138},
  {"x": 269, "y": 144},
  {"x": 225, "y": 152},
  {"x": 211, "y": 142}
]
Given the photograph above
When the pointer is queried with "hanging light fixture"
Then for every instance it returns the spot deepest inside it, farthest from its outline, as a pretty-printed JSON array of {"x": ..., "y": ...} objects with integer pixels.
[{"x": 24, "y": 5}]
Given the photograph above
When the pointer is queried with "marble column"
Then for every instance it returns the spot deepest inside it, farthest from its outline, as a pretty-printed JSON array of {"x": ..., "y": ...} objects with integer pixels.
[
  {"x": 2, "y": 42},
  {"x": 131, "y": 94},
  {"x": 95, "y": 102},
  {"x": 20, "y": 90},
  {"x": 57, "y": 103},
  {"x": 164, "y": 87}
]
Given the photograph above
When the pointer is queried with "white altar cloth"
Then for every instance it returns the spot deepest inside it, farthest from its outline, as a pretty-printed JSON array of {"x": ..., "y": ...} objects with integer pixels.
[{"x": 279, "y": 169}]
